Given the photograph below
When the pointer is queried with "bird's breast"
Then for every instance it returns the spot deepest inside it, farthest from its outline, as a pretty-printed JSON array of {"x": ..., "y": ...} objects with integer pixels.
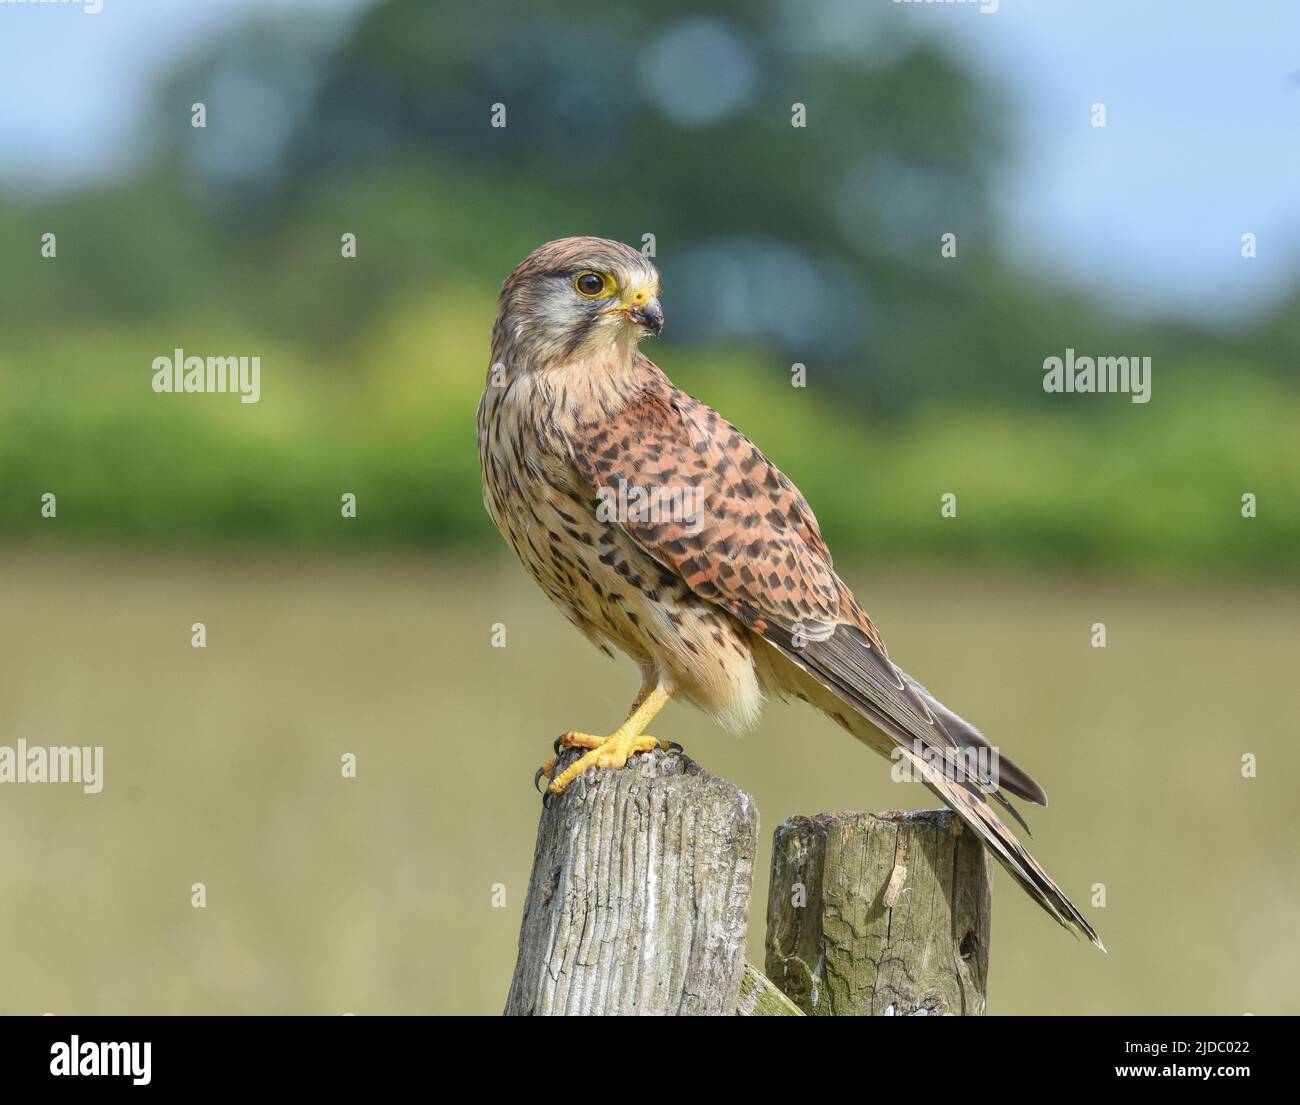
[{"x": 597, "y": 573}]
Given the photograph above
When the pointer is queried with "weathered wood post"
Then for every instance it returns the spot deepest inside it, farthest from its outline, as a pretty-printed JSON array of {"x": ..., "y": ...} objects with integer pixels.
[
  {"x": 879, "y": 914},
  {"x": 759, "y": 997},
  {"x": 639, "y": 896}
]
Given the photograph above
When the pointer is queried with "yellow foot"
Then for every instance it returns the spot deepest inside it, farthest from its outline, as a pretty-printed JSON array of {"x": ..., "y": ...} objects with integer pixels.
[
  {"x": 644, "y": 743},
  {"x": 611, "y": 752}
]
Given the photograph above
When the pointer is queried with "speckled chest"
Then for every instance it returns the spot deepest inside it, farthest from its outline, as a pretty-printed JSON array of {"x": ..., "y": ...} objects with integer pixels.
[{"x": 592, "y": 569}]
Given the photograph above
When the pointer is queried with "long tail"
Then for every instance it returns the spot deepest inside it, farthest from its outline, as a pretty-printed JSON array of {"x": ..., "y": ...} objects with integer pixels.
[
  {"x": 893, "y": 714},
  {"x": 969, "y": 803},
  {"x": 971, "y": 806}
]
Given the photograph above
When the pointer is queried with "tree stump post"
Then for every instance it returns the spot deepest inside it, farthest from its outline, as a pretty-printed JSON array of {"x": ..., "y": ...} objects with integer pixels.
[
  {"x": 639, "y": 897},
  {"x": 880, "y": 915}
]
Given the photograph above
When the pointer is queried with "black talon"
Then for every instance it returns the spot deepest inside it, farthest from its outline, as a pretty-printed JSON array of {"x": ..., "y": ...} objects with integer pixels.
[
  {"x": 673, "y": 746},
  {"x": 541, "y": 771},
  {"x": 556, "y": 745},
  {"x": 548, "y": 796}
]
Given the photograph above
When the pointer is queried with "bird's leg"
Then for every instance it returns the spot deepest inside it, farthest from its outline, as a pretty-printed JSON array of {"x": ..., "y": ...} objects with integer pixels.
[
  {"x": 613, "y": 751},
  {"x": 649, "y": 681}
]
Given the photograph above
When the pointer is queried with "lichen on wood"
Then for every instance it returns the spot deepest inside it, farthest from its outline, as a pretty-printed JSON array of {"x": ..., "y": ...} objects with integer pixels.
[
  {"x": 880, "y": 915},
  {"x": 759, "y": 997}
]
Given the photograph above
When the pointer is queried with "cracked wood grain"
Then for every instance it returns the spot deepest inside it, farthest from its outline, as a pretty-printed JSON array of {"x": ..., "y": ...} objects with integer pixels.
[
  {"x": 639, "y": 897},
  {"x": 880, "y": 915}
]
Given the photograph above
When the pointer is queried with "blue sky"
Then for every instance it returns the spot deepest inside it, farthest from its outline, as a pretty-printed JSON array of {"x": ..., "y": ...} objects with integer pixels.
[{"x": 1202, "y": 141}]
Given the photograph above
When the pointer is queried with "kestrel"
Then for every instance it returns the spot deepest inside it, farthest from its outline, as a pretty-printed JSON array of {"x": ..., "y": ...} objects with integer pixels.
[{"x": 660, "y": 530}]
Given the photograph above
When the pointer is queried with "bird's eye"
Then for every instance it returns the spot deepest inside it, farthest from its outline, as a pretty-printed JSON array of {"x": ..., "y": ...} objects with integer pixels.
[{"x": 592, "y": 284}]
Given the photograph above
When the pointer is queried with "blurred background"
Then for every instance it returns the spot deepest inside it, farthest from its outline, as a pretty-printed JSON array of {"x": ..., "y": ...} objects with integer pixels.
[{"x": 818, "y": 246}]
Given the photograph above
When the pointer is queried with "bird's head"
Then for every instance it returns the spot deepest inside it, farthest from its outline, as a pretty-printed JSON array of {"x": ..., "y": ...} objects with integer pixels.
[{"x": 576, "y": 297}]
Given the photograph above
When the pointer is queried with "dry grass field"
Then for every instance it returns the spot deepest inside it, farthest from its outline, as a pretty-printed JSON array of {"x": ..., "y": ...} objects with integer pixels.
[{"x": 375, "y": 894}]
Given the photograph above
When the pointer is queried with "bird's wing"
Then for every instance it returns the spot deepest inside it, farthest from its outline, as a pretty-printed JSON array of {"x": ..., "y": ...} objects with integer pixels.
[{"x": 746, "y": 540}]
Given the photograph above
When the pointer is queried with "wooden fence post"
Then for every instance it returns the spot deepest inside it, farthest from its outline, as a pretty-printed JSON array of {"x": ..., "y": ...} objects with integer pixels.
[
  {"x": 639, "y": 897},
  {"x": 879, "y": 914},
  {"x": 759, "y": 997}
]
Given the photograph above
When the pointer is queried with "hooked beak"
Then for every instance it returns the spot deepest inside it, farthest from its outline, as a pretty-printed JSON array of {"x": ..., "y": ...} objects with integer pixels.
[{"x": 648, "y": 314}]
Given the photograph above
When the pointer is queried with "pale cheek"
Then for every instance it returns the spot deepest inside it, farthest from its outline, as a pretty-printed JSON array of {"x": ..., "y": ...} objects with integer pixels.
[
  {"x": 558, "y": 319},
  {"x": 549, "y": 325}
]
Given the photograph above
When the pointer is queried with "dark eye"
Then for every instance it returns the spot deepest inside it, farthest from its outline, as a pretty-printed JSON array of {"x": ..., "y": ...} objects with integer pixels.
[{"x": 590, "y": 283}]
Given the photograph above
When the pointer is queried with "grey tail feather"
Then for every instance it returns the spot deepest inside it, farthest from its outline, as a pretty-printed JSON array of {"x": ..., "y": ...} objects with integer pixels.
[
  {"x": 970, "y": 805},
  {"x": 1011, "y": 776},
  {"x": 1006, "y": 805},
  {"x": 880, "y": 695}
]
